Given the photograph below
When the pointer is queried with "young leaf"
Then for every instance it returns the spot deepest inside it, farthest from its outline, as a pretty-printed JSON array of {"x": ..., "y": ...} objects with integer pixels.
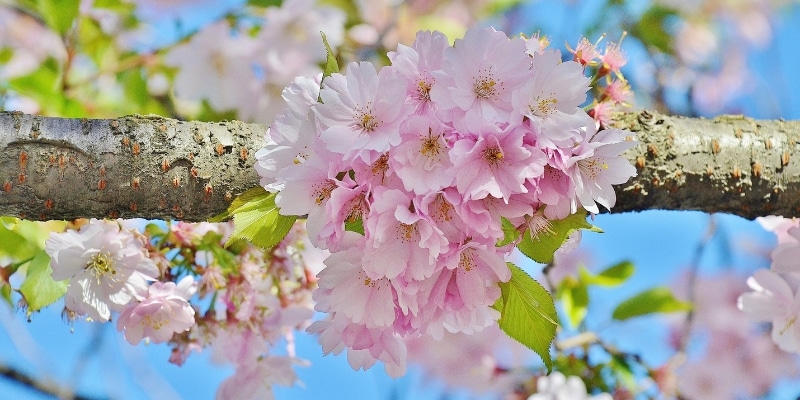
[
  {"x": 544, "y": 245},
  {"x": 39, "y": 288},
  {"x": 331, "y": 64},
  {"x": 356, "y": 226},
  {"x": 510, "y": 232},
  {"x": 574, "y": 296},
  {"x": 239, "y": 203},
  {"x": 257, "y": 219},
  {"x": 527, "y": 313},
  {"x": 655, "y": 300},
  {"x": 612, "y": 276}
]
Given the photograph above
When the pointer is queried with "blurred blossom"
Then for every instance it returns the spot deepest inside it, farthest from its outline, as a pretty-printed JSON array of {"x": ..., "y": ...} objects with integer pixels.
[
  {"x": 695, "y": 42},
  {"x": 29, "y": 42},
  {"x": 556, "y": 386},
  {"x": 215, "y": 65},
  {"x": 486, "y": 361},
  {"x": 733, "y": 359}
]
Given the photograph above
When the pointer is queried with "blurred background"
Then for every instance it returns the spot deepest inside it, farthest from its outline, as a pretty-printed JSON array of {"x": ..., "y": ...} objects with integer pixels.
[{"x": 213, "y": 60}]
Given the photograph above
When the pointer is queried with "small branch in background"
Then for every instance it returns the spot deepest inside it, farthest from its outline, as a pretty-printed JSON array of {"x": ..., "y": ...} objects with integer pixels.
[
  {"x": 40, "y": 386},
  {"x": 694, "y": 267}
]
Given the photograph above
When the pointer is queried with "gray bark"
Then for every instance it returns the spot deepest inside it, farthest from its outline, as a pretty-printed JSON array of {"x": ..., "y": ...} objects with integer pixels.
[
  {"x": 158, "y": 168},
  {"x": 729, "y": 164}
]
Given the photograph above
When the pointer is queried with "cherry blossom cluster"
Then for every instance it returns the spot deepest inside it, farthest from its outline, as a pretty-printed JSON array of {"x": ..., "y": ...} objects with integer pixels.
[
  {"x": 610, "y": 89},
  {"x": 181, "y": 286},
  {"x": 776, "y": 291},
  {"x": 406, "y": 174}
]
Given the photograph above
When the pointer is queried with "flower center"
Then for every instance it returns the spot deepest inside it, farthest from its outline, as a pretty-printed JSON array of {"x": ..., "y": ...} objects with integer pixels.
[
  {"x": 406, "y": 232},
  {"x": 423, "y": 90},
  {"x": 322, "y": 191},
  {"x": 101, "y": 266},
  {"x": 154, "y": 323},
  {"x": 430, "y": 145},
  {"x": 485, "y": 86},
  {"x": 544, "y": 107},
  {"x": 365, "y": 120},
  {"x": 592, "y": 167},
  {"x": 466, "y": 261},
  {"x": 493, "y": 155}
]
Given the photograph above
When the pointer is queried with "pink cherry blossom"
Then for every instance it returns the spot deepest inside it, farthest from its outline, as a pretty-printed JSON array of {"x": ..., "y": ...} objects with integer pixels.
[
  {"x": 360, "y": 111},
  {"x": 106, "y": 267},
  {"x": 422, "y": 160},
  {"x": 494, "y": 163},
  {"x": 399, "y": 240},
  {"x": 417, "y": 64},
  {"x": 597, "y": 164},
  {"x": 162, "y": 311},
  {"x": 786, "y": 257},
  {"x": 480, "y": 74},
  {"x": 344, "y": 287},
  {"x": 773, "y": 300},
  {"x": 552, "y": 97}
]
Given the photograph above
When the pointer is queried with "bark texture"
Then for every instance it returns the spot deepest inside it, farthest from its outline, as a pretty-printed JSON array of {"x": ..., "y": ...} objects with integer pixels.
[
  {"x": 129, "y": 167},
  {"x": 153, "y": 167},
  {"x": 729, "y": 164}
]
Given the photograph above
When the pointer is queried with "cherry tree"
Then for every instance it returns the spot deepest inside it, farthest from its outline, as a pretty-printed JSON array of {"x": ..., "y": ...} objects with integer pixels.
[{"x": 388, "y": 177}]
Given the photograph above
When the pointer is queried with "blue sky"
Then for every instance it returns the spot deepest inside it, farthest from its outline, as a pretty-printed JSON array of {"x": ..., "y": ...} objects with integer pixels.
[{"x": 660, "y": 244}]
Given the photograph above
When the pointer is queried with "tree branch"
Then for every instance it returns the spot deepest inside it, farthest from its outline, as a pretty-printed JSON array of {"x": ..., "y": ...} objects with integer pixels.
[
  {"x": 153, "y": 167},
  {"x": 729, "y": 164},
  {"x": 47, "y": 388}
]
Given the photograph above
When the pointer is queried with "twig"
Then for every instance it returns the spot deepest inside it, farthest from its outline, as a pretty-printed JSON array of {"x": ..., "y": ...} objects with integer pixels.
[{"x": 48, "y": 388}]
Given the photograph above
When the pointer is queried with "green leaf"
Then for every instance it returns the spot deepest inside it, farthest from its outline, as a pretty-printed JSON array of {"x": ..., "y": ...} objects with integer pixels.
[
  {"x": 544, "y": 245},
  {"x": 574, "y": 296},
  {"x": 239, "y": 202},
  {"x": 59, "y": 14},
  {"x": 356, "y": 226},
  {"x": 39, "y": 289},
  {"x": 5, "y": 293},
  {"x": 331, "y": 64},
  {"x": 651, "y": 28},
  {"x": 612, "y": 276},
  {"x": 13, "y": 244},
  {"x": 264, "y": 3},
  {"x": 510, "y": 233},
  {"x": 655, "y": 300},
  {"x": 257, "y": 219},
  {"x": 527, "y": 313}
]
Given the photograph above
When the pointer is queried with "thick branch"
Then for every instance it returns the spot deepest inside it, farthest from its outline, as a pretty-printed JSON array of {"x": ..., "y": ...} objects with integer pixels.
[
  {"x": 728, "y": 164},
  {"x": 130, "y": 167},
  {"x": 152, "y": 167}
]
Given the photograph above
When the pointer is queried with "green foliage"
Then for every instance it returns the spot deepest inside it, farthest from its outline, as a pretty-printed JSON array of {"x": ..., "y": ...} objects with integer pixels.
[
  {"x": 257, "y": 219},
  {"x": 57, "y": 14},
  {"x": 39, "y": 288},
  {"x": 542, "y": 247},
  {"x": 510, "y": 232},
  {"x": 655, "y": 300},
  {"x": 44, "y": 86},
  {"x": 527, "y": 313},
  {"x": 611, "y": 276},
  {"x": 356, "y": 226},
  {"x": 331, "y": 64},
  {"x": 574, "y": 296},
  {"x": 574, "y": 292},
  {"x": 264, "y": 3},
  {"x": 651, "y": 28}
]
